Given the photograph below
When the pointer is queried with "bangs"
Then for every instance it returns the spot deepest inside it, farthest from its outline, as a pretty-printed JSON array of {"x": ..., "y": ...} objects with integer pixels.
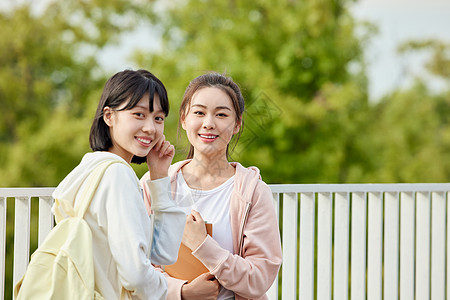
[{"x": 150, "y": 87}]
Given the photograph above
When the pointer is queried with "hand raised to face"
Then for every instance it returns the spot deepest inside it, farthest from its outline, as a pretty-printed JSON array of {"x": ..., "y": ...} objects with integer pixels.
[{"x": 160, "y": 158}]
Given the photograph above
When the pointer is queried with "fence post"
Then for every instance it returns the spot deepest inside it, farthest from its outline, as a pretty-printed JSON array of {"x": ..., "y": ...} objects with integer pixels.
[
  {"x": 324, "y": 244},
  {"x": 407, "y": 230},
  {"x": 21, "y": 236},
  {"x": 341, "y": 245},
  {"x": 289, "y": 269},
  {"x": 423, "y": 226},
  {"x": 307, "y": 239},
  {"x": 2, "y": 244},
  {"x": 438, "y": 235},
  {"x": 272, "y": 293},
  {"x": 45, "y": 217},
  {"x": 391, "y": 245},
  {"x": 358, "y": 259}
]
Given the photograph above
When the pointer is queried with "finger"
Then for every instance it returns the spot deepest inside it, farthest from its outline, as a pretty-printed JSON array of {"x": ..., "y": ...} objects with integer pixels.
[
  {"x": 190, "y": 219},
  {"x": 209, "y": 276},
  {"x": 159, "y": 143},
  {"x": 170, "y": 151},
  {"x": 169, "y": 148},
  {"x": 197, "y": 216},
  {"x": 163, "y": 149}
]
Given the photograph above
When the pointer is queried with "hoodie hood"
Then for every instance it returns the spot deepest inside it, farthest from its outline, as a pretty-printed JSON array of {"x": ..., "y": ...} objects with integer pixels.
[{"x": 66, "y": 192}]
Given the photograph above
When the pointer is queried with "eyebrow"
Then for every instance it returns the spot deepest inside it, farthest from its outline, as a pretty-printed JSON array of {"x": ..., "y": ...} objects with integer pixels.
[
  {"x": 217, "y": 108},
  {"x": 146, "y": 108}
]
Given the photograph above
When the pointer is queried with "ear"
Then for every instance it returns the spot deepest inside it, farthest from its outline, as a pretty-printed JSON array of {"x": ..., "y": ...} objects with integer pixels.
[
  {"x": 183, "y": 123},
  {"x": 237, "y": 127},
  {"x": 108, "y": 115}
]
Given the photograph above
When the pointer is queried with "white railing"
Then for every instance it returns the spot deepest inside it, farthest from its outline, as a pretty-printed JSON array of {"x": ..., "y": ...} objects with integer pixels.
[{"x": 364, "y": 241}]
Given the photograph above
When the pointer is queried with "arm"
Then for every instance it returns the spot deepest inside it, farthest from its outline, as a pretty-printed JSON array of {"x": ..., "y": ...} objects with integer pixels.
[
  {"x": 168, "y": 218},
  {"x": 168, "y": 222},
  {"x": 128, "y": 233}
]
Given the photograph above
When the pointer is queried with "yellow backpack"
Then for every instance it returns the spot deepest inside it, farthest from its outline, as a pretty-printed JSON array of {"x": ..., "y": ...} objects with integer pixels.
[{"x": 62, "y": 267}]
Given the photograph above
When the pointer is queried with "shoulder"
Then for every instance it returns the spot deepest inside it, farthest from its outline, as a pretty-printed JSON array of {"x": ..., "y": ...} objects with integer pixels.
[
  {"x": 120, "y": 174},
  {"x": 174, "y": 168},
  {"x": 249, "y": 180}
]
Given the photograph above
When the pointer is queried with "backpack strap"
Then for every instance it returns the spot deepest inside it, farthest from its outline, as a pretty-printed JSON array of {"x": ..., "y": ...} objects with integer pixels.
[{"x": 92, "y": 183}]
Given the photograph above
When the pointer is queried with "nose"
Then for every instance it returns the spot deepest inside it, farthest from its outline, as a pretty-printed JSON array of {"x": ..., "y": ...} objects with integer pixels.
[
  {"x": 208, "y": 123},
  {"x": 149, "y": 126}
]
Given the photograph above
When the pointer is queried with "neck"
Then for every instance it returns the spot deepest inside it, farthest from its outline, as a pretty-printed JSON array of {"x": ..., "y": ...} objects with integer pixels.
[
  {"x": 206, "y": 173},
  {"x": 207, "y": 165}
]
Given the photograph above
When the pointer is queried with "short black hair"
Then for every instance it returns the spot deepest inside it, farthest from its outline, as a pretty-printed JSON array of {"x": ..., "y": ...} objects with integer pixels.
[{"x": 125, "y": 86}]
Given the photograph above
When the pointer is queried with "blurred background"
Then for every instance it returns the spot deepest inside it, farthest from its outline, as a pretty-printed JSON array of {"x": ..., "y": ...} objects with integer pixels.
[{"x": 336, "y": 91}]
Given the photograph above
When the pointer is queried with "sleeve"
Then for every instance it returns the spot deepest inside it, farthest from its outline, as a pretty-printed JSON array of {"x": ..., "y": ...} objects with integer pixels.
[
  {"x": 128, "y": 234},
  {"x": 174, "y": 287},
  {"x": 169, "y": 222},
  {"x": 251, "y": 275}
]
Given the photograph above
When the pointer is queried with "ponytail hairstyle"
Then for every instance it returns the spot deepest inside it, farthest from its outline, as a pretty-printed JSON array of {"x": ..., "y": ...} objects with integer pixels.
[{"x": 225, "y": 84}]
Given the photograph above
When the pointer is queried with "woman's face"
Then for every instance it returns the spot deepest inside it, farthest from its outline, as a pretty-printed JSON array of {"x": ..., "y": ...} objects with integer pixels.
[
  {"x": 135, "y": 131},
  {"x": 210, "y": 122}
]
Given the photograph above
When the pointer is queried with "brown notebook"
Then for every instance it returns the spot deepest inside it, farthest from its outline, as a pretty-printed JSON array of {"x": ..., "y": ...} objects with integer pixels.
[{"x": 187, "y": 266}]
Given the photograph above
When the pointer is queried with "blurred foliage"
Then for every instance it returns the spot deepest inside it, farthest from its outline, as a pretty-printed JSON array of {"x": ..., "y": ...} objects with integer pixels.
[
  {"x": 439, "y": 62},
  {"x": 300, "y": 65},
  {"x": 50, "y": 83},
  {"x": 302, "y": 70}
]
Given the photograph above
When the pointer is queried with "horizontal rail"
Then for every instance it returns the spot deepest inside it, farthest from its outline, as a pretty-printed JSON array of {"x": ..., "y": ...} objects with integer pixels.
[
  {"x": 359, "y": 187},
  {"x": 26, "y": 192}
]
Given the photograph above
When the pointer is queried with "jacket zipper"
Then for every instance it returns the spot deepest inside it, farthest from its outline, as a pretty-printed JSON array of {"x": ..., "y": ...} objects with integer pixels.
[{"x": 244, "y": 221}]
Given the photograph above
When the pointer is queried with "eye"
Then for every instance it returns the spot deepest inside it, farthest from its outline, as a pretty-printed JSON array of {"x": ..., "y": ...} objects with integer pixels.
[
  {"x": 198, "y": 113},
  {"x": 222, "y": 115},
  {"x": 139, "y": 115},
  {"x": 159, "y": 119}
]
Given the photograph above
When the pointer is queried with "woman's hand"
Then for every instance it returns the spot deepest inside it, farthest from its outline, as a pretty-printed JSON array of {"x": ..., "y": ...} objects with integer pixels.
[
  {"x": 160, "y": 158},
  {"x": 194, "y": 230},
  {"x": 204, "y": 286}
]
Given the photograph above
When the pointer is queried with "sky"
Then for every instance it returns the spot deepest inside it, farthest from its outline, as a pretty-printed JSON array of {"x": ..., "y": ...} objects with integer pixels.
[{"x": 399, "y": 21}]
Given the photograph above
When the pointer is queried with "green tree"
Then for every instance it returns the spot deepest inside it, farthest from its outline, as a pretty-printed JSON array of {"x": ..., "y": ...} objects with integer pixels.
[
  {"x": 50, "y": 75},
  {"x": 438, "y": 62},
  {"x": 411, "y": 137},
  {"x": 300, "y": 64},
  {"x": 50, "y": 83}
]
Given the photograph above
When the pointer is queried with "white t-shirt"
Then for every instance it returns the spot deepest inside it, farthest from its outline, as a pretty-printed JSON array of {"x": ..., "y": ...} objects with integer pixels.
[{"x": 214, "y": 206}]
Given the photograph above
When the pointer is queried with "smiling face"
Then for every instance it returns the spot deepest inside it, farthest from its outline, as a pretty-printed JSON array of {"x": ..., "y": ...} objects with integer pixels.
[
  {"x": 210, "y": 122},
  {"x": 135, "y": 131}
]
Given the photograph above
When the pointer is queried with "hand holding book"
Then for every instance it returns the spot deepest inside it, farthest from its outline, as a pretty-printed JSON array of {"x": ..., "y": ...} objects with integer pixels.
[
  {"x": 188, "y": 267},
  {"x": 204, "y": 287},
  {"x": 194, "y": 230}
]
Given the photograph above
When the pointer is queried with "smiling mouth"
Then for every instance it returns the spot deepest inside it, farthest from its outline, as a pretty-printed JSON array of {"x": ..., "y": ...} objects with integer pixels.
[
  {"x": 144, "y": 141},
  {"x": 208, "y": 136}
]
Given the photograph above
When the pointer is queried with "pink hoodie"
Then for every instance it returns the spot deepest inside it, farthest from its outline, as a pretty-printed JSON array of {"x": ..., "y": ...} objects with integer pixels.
[{"x": 251, "y": 269}]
